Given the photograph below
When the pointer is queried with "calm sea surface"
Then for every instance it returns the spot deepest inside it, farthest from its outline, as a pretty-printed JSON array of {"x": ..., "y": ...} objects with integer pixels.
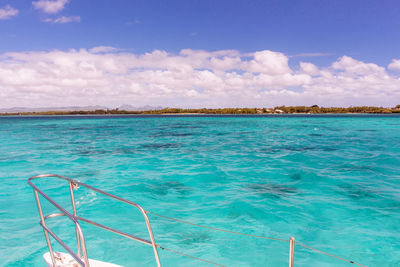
[{"x": 332, "y": 182}]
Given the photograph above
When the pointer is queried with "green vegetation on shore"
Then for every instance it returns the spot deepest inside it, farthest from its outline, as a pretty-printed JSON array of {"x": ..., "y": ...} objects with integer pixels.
[{"x": 277, "y": 110}]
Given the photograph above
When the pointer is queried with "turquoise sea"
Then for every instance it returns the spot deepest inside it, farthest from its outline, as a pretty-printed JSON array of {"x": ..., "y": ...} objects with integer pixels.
[{"x": 332, "y": 182}]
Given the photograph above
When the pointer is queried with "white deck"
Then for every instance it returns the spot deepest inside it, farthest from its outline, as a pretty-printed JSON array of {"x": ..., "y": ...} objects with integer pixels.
[{"x": 66, "y": 260}]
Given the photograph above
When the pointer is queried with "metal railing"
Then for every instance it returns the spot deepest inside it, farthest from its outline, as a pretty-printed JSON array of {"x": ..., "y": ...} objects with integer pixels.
[
  {"x": 73, "y": 184},
  {"x": 83, "y": 260}
]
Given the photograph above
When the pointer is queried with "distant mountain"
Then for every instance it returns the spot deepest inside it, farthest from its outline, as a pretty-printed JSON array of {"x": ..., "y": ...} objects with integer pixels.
[
  {"x": 71, "y": 108},
  {"x": 76, "y": 108},
  {"x": 143, "y": 108}
]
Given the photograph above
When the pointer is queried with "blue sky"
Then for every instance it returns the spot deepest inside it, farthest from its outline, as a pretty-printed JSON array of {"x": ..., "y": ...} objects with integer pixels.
[
  {"x": 368, "y": 30},
  {"x": 314, "y": 31}
]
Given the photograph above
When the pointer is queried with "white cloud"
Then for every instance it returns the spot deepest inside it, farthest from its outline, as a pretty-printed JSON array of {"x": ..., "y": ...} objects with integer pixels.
[
  {"x": 50, "y": 6},
  {"x": 352, "y": 80},
  {"x": 102, "y": 49},
  {"x": 394, "y": 65},
  {"x": 356, "y": 67},
  {"x": 268, "y": 62},
  {"x": 63, "y": 19},
  {"x": 309, "y": 68},
  {"x": 192, "y": 78},
  {"x": 8, "y": 12}
]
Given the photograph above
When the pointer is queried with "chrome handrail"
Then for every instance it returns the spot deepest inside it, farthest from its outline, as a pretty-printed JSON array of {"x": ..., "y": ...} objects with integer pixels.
[{"x": 73, "y": 184}]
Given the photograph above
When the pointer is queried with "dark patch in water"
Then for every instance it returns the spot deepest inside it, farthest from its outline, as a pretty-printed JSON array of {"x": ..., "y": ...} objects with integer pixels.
[
  {"x": 295, "y": 177},
  {"x": 77, "y": 128},
  {"x": 80, "y": 142},
  {"x": 160, "y": 146},
  {"x": 189, "y": 238},
  {"x": 85, "y": 174},
  {"x": 169, "y": 134},
  {"x": 366, "y": 130},
  {"x": 329, "y": 149},
  {"x": 392, "y": 205},
  {"x": 163, "y": 189},
  {"x": 182, "y": 134},
  {"x": 124, "y": 151},
  {"x": 315, "y": 134},
  {"x": 269, "y": 190},
  {"x": 357, "y": 192},
  {"x": 348, "y": 167},
  {"x": 91, "y": 152},
  {"x": 107, "y": 127},
  {"x": 269, "y": 150},
  {"x": 299, "y": 148},
  {"x": 245, "y": 132}
]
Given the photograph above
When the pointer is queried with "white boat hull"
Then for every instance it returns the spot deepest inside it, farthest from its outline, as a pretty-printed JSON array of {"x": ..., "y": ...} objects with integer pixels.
[{"x": 66, "y": 260}]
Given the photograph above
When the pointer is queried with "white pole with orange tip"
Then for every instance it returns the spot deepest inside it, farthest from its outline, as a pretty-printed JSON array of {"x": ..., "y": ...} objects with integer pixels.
[{"x": 291, "y": 252}]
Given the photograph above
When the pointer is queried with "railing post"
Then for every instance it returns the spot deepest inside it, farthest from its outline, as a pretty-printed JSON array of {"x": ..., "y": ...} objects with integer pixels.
[
  {"x": 291, "y": 252},
  {"x": 45, "y": 231},
  {"x": 153, "y": 242},
  {"x": 71, "y": 191},
  {"x": 83, "y": 245}
]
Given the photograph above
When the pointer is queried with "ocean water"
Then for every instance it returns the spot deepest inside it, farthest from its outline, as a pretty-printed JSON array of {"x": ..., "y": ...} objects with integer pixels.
[{"x": 332, "y": 182}]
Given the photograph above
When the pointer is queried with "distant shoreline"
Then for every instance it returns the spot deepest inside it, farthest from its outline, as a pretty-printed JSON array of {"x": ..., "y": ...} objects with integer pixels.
[{"x": 282, "y": 110}]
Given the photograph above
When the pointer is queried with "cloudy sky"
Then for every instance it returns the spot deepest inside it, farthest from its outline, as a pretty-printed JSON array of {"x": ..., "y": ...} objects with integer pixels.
[{"x": 199, "y": 53}]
